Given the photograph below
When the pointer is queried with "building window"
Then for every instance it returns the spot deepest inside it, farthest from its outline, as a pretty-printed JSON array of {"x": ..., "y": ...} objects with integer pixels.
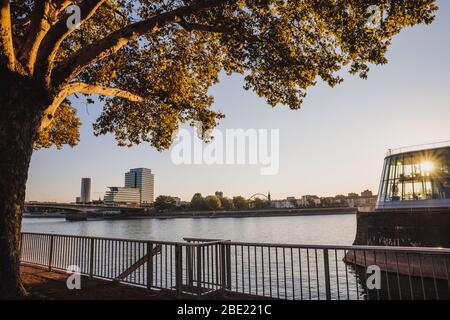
[{"x": 421, "y": 175}]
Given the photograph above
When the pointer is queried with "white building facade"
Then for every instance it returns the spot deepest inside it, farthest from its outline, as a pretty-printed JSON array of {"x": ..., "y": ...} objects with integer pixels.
[{"x": 122, "y": 196}]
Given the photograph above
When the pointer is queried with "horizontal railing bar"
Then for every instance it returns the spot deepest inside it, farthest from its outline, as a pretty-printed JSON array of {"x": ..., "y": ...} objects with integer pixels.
[
  {"x": 174, "y": 243},
  {"x": 429, "y": 250},
  {"x": 202, "y": 239}
]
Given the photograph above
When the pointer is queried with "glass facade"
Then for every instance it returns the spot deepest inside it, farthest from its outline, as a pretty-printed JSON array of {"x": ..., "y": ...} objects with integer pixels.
[{"x": 413, "y": 178}]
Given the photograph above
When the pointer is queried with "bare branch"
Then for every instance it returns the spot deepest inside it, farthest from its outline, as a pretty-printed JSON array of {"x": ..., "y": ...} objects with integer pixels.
[
  {"x": 84, "y": 88},
  {"x": 42, "y": 18},
  {"x": 118, "y": 39},
  {"x": 39, "y": 25},
  {"x": 6, "y": 38},
  {"x": 52, "y": 41}
]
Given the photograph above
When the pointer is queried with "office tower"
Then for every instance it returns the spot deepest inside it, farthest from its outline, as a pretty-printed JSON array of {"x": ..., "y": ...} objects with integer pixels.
[
  {"x": 85, "y": 196},
  {"x": 143, "y": 179}
]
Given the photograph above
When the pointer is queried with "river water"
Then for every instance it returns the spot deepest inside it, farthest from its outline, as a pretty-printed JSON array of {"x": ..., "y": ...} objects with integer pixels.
[{"x": 320, "y": 229}]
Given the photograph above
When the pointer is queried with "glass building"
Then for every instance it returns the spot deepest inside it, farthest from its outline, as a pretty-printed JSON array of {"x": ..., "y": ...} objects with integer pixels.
[
  {"x": 85, "y": 195},
  {"x": 144, "y": 180},
  {"x": 412, "y": 179}
]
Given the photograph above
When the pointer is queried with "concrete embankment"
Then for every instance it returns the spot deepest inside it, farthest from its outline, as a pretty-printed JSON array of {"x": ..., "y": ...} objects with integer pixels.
[{"x": 254, "y": 213}]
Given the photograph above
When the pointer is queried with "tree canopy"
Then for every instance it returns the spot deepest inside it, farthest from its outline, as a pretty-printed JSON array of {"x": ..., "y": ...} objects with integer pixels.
[
  {"x": 164, "y": 203},
  {"x": 153, "y": 61}
]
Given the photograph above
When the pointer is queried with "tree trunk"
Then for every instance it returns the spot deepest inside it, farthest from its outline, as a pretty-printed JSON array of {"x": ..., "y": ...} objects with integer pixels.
[{"x": 20, "y": 111}]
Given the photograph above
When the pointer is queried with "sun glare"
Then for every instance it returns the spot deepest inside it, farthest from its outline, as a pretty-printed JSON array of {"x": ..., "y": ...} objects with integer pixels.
[{"x": 426, "y": 166}]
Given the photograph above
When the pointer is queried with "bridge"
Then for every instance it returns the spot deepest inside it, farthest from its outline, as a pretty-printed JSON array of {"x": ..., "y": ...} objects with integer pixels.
[
  {"x": 78, "y": 211},
  {"x": 267, "y": 197},
  {"x": 80, "y": 206},
  {"x": 39, "y": 207}
]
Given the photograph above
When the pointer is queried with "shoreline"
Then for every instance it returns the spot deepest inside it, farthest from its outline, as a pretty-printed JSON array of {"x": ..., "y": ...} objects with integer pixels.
[{"x": 255, "y": 213}]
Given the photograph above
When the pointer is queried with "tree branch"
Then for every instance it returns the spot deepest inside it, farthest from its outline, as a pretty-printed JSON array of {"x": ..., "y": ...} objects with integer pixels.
[
  {"x": 42, "y": 18},
  {"x": 52, "y": 41},
  {"x": 84, "y": 88},
  {"x": 190, "y": 26},
  {"x": 107, "y": 46},
  {"x": 39, "y": 25},
  {"x": 6, "y": 38}
]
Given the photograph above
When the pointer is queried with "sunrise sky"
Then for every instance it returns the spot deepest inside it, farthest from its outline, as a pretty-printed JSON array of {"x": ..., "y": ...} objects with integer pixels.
[{"x": 334, "y": 145}]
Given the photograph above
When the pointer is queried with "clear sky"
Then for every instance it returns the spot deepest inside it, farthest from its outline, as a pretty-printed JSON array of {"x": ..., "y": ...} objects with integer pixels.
[{"x": 334, "y": 145}]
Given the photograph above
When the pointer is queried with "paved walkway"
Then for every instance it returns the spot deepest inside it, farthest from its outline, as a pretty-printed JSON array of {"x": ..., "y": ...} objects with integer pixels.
[{"x": 43, "y": 284}]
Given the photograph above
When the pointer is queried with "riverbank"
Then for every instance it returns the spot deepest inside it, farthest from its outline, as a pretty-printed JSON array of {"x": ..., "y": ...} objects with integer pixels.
[
  {"x": 203, "y": 214},
  {"x": 253, "y": 213}
]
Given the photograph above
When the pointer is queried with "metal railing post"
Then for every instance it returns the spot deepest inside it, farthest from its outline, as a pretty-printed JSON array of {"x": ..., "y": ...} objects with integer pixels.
[
  {"x": 327, "y": 274},
  {"x": 50, "y": 255},
  {"x": 228, "y": 265},
  {"x": 149, "y": 265},
  {"x": 190, "y": 272},
  {"x": 223, "y": 279},
  {"x": 178, "y": 269},
  {"x": 91, "y": 257},
  {"x": 199, "y": 269}
]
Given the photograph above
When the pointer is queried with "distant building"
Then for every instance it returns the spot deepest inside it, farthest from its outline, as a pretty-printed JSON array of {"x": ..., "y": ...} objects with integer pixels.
[
  {"x": 366, "y": 194},
  {"x": 352, "y": 195},
  {"x": 122, "y": 196},
  {"x": 219, "y": 194},
  {"x": 288, "y": 203},
  {"x": 362, "y": 201},
  {"x": 85, "y": 196},
  {"x": 328, "y": 202},
  {"x": 177, "y": 201},
  {"x": 310, "y": 201},
  {"x": 78, "y": 200},
  {"x": 144, "y": 180},
  {"x": 281, "y": 204}
]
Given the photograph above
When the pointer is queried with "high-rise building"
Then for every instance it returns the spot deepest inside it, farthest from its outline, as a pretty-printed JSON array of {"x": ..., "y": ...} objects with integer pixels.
[
  {"x": 144, "y": 180},
  {"x": 85, "y": 196}
]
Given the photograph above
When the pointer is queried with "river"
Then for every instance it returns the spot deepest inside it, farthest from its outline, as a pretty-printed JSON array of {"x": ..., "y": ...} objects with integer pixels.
[{"x": 320, "y": 229}]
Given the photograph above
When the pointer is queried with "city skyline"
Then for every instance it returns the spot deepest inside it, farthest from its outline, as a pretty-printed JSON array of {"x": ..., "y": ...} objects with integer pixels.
[{"x": 334, "y": 145}]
